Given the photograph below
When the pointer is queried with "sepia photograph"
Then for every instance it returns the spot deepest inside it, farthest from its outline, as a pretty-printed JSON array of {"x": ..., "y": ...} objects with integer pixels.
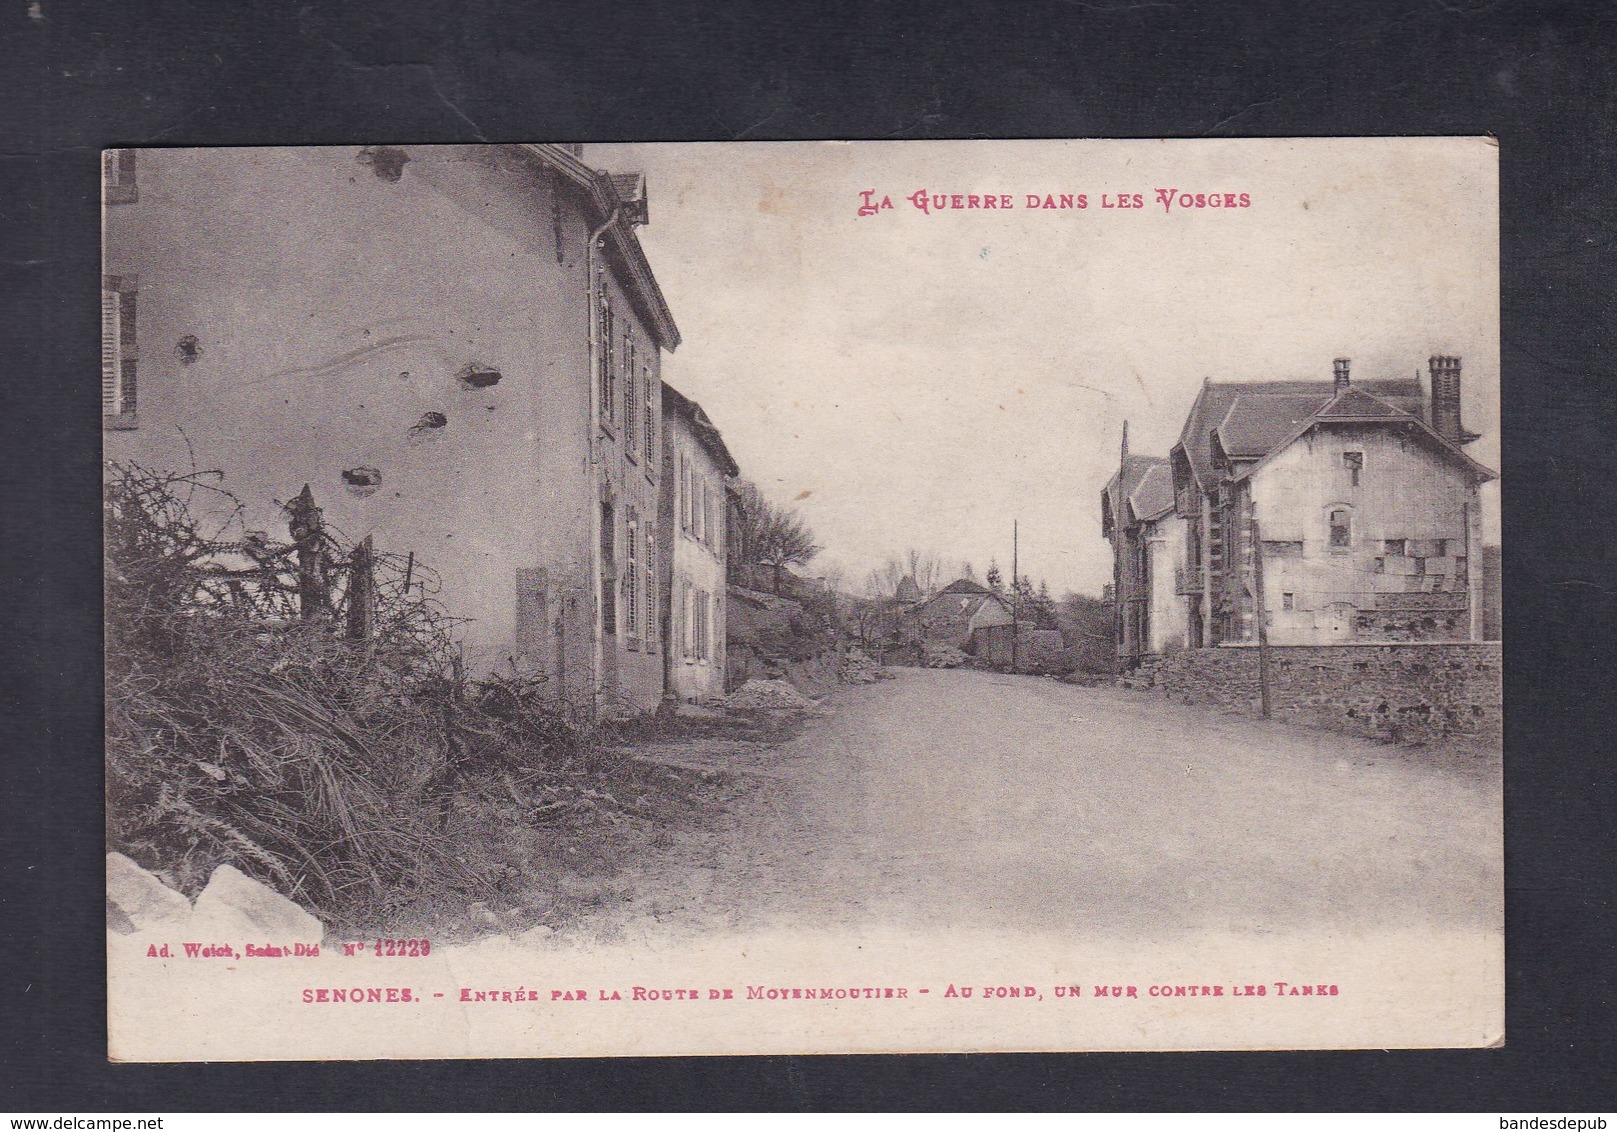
[{"x": 573, "y": 600}]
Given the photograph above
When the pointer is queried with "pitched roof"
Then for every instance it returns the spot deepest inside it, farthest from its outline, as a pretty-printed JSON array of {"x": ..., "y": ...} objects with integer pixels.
[
  {"x": 1354, "y": 405},
  {"x": 1152, "y": 497},
  {"x": 1252, "y": 416},
  {"x": 1145, "y": 483},
  {"x": 964, "y": 586},
  {"x": 1256, "y": 423},
  {"x": 964, "y": 602},
  {"x": 707, "y": 434},
  {"x": 908, "y": 591}
]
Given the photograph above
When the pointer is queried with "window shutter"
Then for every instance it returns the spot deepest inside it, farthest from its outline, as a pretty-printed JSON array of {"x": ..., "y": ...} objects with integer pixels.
[
  {"x": 684, "y": 493},
  {"x": 631, "y": 573},
  {"x": 651, "y": 594},
  {"x": 630, "y": 388},
  {"x": 127, "y": 350},
  {"x": 110, "y": 360},
  {"x": 608, "y": 362},
  {"x": 651, "y": 419}
]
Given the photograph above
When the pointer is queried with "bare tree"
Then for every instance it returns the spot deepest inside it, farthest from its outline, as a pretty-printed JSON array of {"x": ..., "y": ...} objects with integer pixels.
[
  {"x": 926, "y": 567},
  {"x": 882, "y": 582},
  {"x": 767, "y": 535}
]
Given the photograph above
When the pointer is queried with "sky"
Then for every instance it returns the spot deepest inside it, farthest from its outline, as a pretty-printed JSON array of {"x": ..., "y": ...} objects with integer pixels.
[{"x": 922, "y": 379}]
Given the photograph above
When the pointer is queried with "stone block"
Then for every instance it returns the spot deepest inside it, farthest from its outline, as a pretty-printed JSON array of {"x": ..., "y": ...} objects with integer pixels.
[
  {"x": 235, "y": 906},
  {"x": 136, "y": 897}
]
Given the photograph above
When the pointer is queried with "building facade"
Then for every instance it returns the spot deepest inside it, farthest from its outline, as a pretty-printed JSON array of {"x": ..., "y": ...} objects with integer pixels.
[
  {"x": 457, "y": 347},
  {"x": 1337, "y": 512},
  {"x": 1148, "y": 555},
  {"x": 694, "y": 536}
]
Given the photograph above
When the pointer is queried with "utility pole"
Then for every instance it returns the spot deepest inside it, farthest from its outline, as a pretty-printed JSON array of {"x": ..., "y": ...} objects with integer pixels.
[
  {"x": 1262, "y": 617},
  {"x": 1016, "y": 593}
]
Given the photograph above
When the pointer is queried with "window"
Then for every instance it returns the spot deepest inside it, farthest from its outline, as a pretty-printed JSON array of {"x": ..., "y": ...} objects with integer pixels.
[
  {"x": 1341, "y": 521},
  {"x": 631, "y": 387},
  {"x": 1288, "y": 602},
  {"x": 687, "y": 620},
  {"x": 1354, "y": 463},
  {"x": 609, "y": 373},
  {"x": 118, "y": 351},
  {"x": 118, "y": 176},
  {"x": 631, "y": 575},
  {"x": 703, "y": 624}
]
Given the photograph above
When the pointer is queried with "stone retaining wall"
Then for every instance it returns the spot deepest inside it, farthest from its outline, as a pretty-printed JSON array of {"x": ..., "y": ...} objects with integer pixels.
[{"x": 1402, "y": 693}]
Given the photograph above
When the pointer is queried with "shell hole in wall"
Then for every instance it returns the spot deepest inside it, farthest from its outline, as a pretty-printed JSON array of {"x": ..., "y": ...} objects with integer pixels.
[
  {"x": 385, "y": 161},
  {"x": 475, "y": 376},
  {"x": 361, "y": 481},
  {"x": 188, "y": 349},
  {"x": 431, "y": 421}
]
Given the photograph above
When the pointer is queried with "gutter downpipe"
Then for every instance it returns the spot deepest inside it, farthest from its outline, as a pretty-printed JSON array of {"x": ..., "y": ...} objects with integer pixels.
[{"x": 593, "y": 394}]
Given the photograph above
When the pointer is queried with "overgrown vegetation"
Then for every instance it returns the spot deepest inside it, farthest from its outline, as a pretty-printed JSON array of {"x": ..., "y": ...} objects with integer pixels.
[{"x": 298, "y": 708}]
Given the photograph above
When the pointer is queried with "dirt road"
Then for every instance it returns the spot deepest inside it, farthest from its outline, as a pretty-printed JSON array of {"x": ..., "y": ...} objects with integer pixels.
[{"x": 969, "y": 799}]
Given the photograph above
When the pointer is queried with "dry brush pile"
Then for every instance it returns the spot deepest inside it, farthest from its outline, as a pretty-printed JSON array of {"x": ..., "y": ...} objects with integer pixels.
[{"x": 297, "y": 708}]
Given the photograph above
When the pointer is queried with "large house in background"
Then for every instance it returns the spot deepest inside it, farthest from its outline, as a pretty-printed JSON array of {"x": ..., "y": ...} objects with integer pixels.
[
  {"x": 1148, "y": 553},
  {"x": 1355, "y": 503},
  {"x": 458, "y": 348},
  {"x": 697, "y": 471}
]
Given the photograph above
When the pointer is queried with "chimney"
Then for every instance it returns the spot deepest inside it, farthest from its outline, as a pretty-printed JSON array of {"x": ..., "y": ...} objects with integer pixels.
[
  {"x": 1340, "y": 367},
  {"x": 1445, "y": 373}
]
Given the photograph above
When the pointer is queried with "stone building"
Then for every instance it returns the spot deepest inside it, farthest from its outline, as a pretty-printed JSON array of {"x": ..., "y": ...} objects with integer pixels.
[
  {"x": 694, "y": 538},
  {"x": 954, "y": 614},
  {"x": 1148, "y": 554},
  {"x": 457, "y": 347},
  {"x": 1355, "y": 503}
]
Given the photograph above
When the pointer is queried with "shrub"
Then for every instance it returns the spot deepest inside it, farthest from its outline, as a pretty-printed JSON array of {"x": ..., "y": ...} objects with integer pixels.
[{"x": 247, "y": 724}]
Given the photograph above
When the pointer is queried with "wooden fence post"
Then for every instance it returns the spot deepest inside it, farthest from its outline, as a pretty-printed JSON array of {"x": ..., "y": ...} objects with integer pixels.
[
  {"x": 308, "y": 533},
  {"x": 361, "y": 592}
]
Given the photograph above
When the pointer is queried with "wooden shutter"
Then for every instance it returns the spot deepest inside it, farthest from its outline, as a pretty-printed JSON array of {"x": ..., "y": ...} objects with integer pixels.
[
  {"x": 110, "y": 340},
  {"x": 651, "y": 418}
]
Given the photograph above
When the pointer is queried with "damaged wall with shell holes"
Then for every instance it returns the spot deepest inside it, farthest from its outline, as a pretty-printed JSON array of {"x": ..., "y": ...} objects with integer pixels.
[{"x": 403, "y": 329}]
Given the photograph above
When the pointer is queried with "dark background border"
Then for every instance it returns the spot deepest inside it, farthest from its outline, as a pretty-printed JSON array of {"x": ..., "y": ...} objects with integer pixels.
[{"x": 80, "y": 76}]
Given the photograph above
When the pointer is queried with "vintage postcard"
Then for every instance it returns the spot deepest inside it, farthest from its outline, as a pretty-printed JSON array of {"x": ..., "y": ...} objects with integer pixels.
[{"x": 802, "y": 598}]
